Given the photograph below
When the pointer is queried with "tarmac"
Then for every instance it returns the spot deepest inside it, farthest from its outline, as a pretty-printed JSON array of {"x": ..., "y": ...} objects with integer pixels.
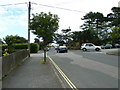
[{"x": 32, "y": 74}]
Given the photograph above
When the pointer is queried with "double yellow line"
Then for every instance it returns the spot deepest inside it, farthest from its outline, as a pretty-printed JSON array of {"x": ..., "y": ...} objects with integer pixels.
[{"x": 63, "y": 75}]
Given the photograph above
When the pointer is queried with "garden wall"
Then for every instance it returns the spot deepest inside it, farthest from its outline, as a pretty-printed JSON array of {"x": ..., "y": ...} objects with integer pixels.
[{"x": 9, "y": 62}]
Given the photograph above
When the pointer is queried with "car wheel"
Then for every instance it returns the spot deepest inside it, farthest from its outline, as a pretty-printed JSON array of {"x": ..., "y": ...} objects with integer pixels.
[
  {"x": 97, "y": 49},
  {"x": 84, "y": 49}
]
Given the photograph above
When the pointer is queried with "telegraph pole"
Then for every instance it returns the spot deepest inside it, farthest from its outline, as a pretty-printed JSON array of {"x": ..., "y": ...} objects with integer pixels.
[{"x": 29, "y": 9}]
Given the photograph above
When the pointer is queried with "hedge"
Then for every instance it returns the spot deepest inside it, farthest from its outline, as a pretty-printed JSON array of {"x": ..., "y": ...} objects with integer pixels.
[
  {"x": 34, "y": 47},
  {"x": 73, "y": 48},
  {"x": 21, "y": 46}
]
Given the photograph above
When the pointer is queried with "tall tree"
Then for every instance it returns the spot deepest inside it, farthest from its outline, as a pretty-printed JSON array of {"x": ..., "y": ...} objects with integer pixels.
[
  {"x": 59, "y": 39},
  {"x": 44, "y": 25},
  {"x": 114, "y": 17},
  {"x": 66, "y": 34},
  {"x": 94, "y": 21}
]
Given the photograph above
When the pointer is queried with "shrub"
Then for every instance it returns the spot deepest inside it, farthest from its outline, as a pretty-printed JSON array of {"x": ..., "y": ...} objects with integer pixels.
[
  {"x": 21, "y": 46},
  {"x": 73, "y": 48},
  {"x": 5, "y": 52},
  {"x": 34, "y": 47},
  {"x": 4, "y": 46}
]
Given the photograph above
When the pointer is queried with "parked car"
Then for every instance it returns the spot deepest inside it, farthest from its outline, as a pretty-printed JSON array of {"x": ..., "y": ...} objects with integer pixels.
[
  {"x": 90, "y": 46},
  {"x": 103, "y": 46},
  {"x": 116, "y": 45},
  {"x": 56, "y": 48},
  {"x": 62, "y": 49},
  {"x": 107, "y": 46}
]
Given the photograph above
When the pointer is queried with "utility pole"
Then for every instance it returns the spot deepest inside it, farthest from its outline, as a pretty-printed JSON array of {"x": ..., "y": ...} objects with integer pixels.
[{"x": 29, "y": 8}]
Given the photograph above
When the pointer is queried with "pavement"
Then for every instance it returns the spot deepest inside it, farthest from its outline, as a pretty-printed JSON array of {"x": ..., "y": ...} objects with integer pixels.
[
  {"x": 32, "y": 74},
  {"x": 112, "y": 51}
]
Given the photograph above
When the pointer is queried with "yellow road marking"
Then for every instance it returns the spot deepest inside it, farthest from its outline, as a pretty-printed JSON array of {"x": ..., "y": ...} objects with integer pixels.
[{"x": 63, "y": 75}]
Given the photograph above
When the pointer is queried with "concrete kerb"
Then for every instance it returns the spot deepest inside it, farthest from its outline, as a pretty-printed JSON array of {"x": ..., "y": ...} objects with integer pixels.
[{"x": 57, "y": 74}]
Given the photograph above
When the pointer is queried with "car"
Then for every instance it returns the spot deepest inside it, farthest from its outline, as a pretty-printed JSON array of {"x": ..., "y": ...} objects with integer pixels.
[
  {"x": 103, "y": 46},
  {"x": 62, "y": 49},
  {"x": 116, "y": 45},
  {"x": 107, "y": 46},
  {"x": 90, "y": 46},
  {"x": 56, "y": 48}
]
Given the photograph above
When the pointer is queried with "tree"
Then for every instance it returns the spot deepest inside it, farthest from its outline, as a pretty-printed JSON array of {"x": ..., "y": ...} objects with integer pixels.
[
  {"x": 114, "y": 17},
  {"x": 115, "y": 35},
  {"x": 66, "y": 34},
  {"x": 44, "y": 25},
  {"x": 59, "y": 39},
  {"x": 10, "y": 39},
  {"x": 36, "y": 40},
  {"x": 93, "y": 21}
]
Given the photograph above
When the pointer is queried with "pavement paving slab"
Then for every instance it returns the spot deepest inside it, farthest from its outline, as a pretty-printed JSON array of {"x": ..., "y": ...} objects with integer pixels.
[{"x": 32, "y": 74}]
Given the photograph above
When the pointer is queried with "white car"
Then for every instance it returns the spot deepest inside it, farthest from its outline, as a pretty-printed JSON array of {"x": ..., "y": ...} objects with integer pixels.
[{"x": 90, "y": 46}]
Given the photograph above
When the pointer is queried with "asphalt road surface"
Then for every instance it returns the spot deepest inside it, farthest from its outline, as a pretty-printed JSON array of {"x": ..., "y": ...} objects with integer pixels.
[{"x": 88, "y": 69}]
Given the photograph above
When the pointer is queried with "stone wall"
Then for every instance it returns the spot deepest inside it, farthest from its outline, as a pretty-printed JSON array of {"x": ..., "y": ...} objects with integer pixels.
[{"x": 9, "y": 62}]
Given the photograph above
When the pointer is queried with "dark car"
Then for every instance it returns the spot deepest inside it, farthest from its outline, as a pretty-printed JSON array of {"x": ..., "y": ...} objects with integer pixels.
[
  {"x": 116, "y": 45},
  {"x": 62, "y": 49}
]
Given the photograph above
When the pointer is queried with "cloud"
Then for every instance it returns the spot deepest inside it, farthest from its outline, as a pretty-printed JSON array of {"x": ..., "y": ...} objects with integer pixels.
[
  {"x": 2, "y": 11},
  {"x": 3, "y": 29}
]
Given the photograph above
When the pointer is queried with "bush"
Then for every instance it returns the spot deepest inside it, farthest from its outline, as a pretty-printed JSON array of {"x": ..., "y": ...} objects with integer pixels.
[
  {"x": 34, "y": 47},
  {"x": 73, "y": 48},
  {"x": 21, "y": 46},
  {"x": 4, "y": 46}
]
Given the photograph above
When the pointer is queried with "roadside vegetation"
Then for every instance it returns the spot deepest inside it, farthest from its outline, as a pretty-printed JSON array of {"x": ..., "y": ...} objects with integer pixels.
[
  {"x": 15, "y": 43},
  {"x": 97, "y": 29}
]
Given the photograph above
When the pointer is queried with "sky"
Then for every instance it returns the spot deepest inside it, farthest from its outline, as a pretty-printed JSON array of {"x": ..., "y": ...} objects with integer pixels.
[{"x": 14, "y": 13}]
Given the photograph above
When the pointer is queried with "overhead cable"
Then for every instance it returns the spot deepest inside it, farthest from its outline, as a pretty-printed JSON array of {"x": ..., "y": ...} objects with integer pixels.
[
  {"x": 14, "y": 4},
  {"x": 58, "y": 7}
]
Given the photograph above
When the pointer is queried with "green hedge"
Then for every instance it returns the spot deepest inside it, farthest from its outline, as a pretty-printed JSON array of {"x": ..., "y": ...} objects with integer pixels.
[
  {"x": 73, "y": 48},
  {"x": 34, "y": 48},
  {"x": 21, "y": 46}
]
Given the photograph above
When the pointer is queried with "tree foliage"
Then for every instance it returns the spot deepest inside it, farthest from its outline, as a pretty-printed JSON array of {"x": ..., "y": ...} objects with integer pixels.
[
  {"x": 44, "y": 25},
  {"x": 114, "y": 17},
  {"x": 97, "y": 23},
  {"x": 10, "y": 39},
  {"x": 115, "y": 35}
]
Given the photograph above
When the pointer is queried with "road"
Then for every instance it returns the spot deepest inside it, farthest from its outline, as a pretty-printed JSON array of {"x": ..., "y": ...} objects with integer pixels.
[{"x": 88, "y": 69}]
